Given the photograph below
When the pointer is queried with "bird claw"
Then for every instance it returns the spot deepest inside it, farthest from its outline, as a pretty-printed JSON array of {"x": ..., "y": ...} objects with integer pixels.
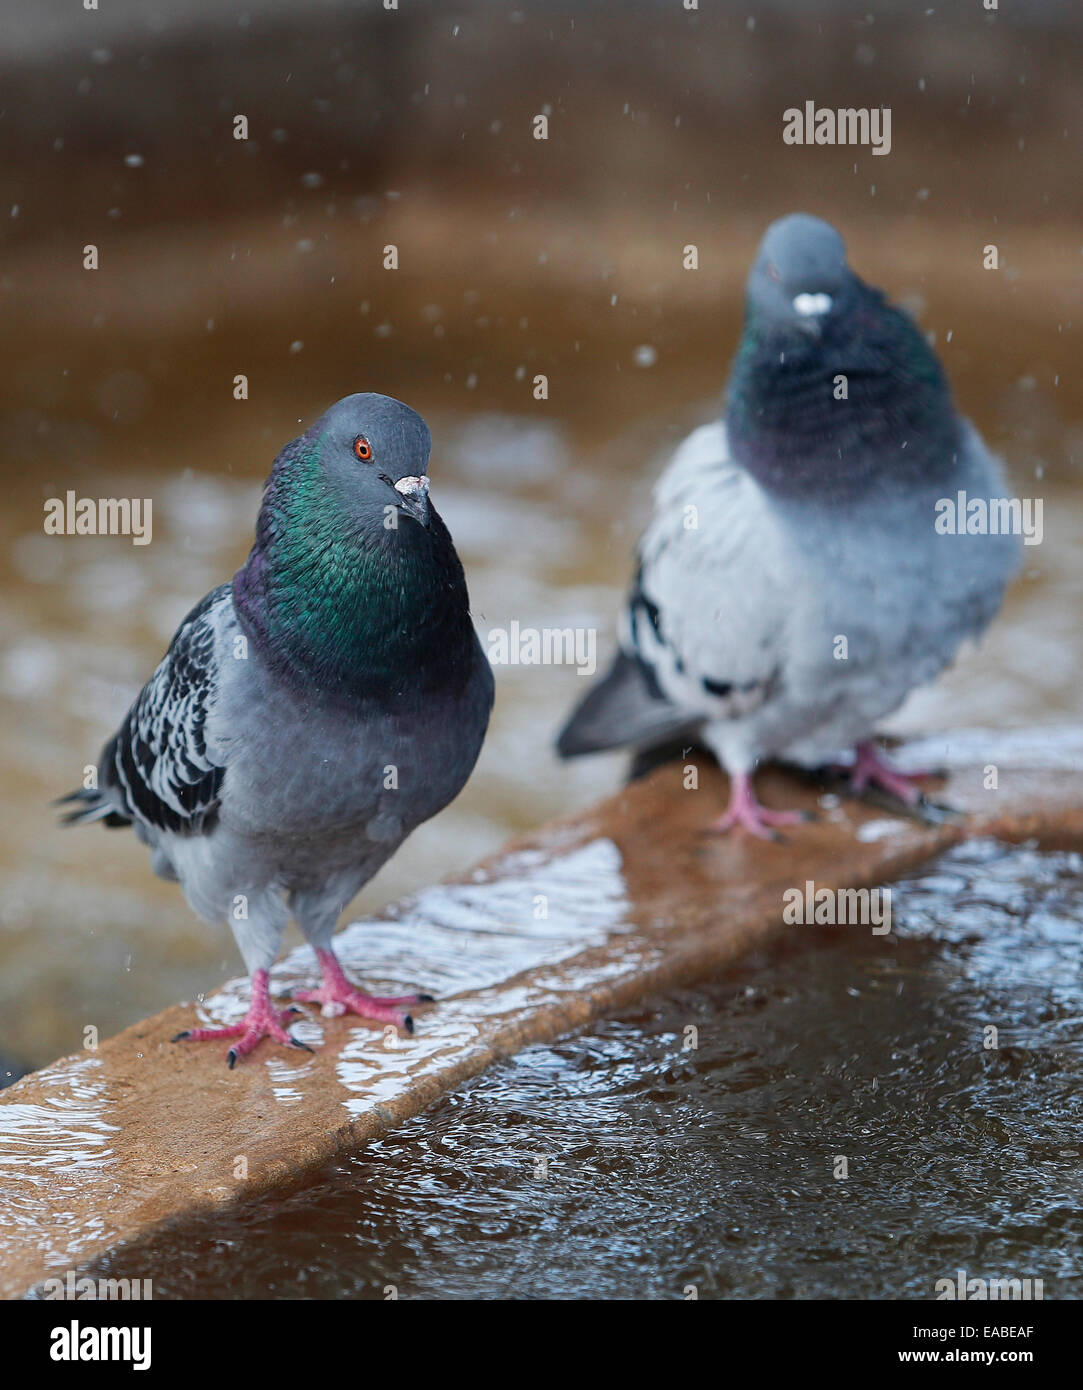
[
  {"x": 261, "y": 1021},
  {"x": 871, "y": 770},
  {"x": 368, "y": 1006},
  {"x": 336, "y": 996},
  {"x": 747, "y": 813}
]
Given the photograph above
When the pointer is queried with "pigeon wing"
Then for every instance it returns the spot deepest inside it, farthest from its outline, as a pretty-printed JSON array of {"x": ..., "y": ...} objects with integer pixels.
[
  {"x": 709, "y": 612},
  {"x": 705, "y": 622},
  {"x": 157, "y": 768}
]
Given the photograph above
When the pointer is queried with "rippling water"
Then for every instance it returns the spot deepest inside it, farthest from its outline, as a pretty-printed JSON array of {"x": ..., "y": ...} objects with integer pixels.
[{"x": 626, "y": 1163}]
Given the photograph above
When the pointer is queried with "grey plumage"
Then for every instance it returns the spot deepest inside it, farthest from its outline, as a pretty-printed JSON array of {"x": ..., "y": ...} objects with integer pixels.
[
  {"x": 801, "y": 522},
  {"x": 314, "y": 711}
]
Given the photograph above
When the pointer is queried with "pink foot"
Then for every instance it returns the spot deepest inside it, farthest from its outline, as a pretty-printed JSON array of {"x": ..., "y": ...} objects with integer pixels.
[
  {"x": 870, "y": 769},
  {"x": 744, "y": 810},
  {"x": 262, "y": 1020},
  {"x": 338, "y": 996}
]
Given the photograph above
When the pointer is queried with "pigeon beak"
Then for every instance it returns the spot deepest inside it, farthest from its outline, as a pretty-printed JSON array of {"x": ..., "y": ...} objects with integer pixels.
[
  {"x": 811, "y": 310},
  {"x": 812, "y": 305},
  {"x": 414, "y": 492}
]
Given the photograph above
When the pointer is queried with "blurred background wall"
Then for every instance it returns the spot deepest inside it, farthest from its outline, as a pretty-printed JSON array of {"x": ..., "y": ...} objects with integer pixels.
[{"x": 517, "y": 256}]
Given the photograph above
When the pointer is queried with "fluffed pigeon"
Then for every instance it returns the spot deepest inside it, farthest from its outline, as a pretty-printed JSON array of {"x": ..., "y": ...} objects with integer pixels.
[
  {"x": 313, "y": 711},
  {"x": 791, "y": 587}
]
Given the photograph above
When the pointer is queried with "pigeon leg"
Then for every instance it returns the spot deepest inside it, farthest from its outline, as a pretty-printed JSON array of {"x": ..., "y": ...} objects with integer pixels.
[
  {"x": 744, "y": 810},
  {"x": 871, "y": 769},
  {"x": 338, "y": 996},
  {"x": 262, "y": 1020}
]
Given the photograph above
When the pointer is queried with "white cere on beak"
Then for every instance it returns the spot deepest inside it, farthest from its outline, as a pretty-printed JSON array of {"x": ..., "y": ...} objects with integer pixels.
[
  {"x": 413, "y": 487},
  {"x": 812, "y": 303}
]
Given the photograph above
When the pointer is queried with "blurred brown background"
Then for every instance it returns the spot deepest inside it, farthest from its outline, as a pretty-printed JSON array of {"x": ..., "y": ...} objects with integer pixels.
[{"x": 263, "y": 257}]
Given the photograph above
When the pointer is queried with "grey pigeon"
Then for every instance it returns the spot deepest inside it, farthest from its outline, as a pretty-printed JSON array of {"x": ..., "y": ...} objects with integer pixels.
[
  {"x": 313, "y": 711},
  {"x": 792, "y": 588}
]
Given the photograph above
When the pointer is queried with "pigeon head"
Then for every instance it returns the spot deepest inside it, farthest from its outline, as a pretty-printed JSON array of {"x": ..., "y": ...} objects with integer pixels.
[
  {"x": 800, "y": 274},
  {"x": 353, "y": 574},
  {"x": 835, "y": 393},
  {"x": 373, "y": 452}
]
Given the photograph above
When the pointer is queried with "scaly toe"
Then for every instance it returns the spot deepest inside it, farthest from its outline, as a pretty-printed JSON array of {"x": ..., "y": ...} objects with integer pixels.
[
  {"x": 759, "y": 821},
  {"x": 379, "y": 1010},
  {"x": 375, "y": 1008},
  {"x": 726, "y": 823},
  {"x": 252, "y": 1037}
]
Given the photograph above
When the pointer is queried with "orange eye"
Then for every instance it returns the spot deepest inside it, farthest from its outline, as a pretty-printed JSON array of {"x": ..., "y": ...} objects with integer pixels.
[{"x": 363, "y": 449}]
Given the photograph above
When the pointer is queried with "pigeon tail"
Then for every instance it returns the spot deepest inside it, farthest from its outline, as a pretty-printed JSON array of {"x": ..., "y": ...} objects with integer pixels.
[
  {"x": 624, "y": 708},
  {"x": 92, "y": 806}
]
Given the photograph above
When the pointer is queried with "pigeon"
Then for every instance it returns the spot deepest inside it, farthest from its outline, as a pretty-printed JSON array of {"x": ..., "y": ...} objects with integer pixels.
[
  {"x": 792, "y": 585},
  {"x": 310, "y": 713}
]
